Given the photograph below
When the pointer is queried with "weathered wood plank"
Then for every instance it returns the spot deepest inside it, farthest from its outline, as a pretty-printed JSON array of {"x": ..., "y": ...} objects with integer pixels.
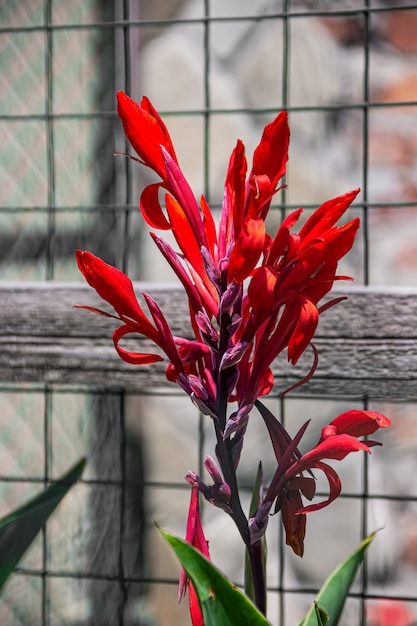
[{"x": 367, "y": 344}]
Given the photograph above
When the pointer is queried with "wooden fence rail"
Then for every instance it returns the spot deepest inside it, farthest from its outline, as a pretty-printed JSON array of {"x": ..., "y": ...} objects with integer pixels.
[{"x": 367, "y": 344}]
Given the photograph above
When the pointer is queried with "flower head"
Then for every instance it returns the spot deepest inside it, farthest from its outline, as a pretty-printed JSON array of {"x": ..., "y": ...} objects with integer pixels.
[
  {"x": 289, "y": 484},
  {"x": 251, "y": 295}
]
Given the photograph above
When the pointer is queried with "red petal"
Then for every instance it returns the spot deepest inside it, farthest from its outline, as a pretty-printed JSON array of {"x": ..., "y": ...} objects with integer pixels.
[
  {"x": 339, "y": 242},
  {"x": 185, "y": 237},
  {"x": 166, "y": 339},
  {"x": 336, "y": 447},
  {"x": 146, "y": 131},
  {"x": 195, "y": 536},
  {"x": 180, "y": 189},
  {"x": 151, "y": 209},
  {"x": 326, "y": 216},
  {"x": 265, "y": 383},
  {"x": 308, "y": 318},
  {"x": 261, "y": 289},
  {"x": 209, "y": 225},
  {"x": 335, "y": 487},
  {"x": 175, "y": 263},
  {"x": 247, "y": 250},
  {"x": 271, "y": 155},
  {"x": 235, "y": 186},
  {"x": 262, "y": 191},
  {"x": 116, "y": 288},
  {"x": 359, "y": 423},
  {"x": 281, "y": 239},
  {"x": 147, "y": 105},
  {"x": 294, "y": 523},
  {"x": 195, "y": 610}
]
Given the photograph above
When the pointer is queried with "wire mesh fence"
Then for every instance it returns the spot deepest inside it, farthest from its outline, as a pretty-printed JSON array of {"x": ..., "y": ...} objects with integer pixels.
[{"x": 346, "y": 73}]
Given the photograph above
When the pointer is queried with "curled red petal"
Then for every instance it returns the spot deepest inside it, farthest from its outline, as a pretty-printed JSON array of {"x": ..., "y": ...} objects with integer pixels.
[
  {"x": 135, "y": 358},
  {"x": 151, "y": 209},
  {"x": 335, "y": 487}
]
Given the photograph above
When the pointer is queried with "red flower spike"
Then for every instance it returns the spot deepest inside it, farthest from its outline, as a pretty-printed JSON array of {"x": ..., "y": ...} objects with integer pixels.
[
  {"x": 195, "y": 537},
  {"x": 235, "y": 337}
]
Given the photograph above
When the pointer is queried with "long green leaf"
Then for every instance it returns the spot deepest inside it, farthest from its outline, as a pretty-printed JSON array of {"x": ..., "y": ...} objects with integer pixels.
[
  {"x": 221, "y": 602},
  {"x": 19, "y": 528},
  {"x": 333, "y": 594}
]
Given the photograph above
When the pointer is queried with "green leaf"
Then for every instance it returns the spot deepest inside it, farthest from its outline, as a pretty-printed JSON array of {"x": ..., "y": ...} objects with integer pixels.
[
  {"x": 321, "y": 615},
  {"x": 254, "y": 506},
  {"x": 333, "y": 594},
  {"x": 221, "y": 602},
  {"x": 19, "y": 528}
]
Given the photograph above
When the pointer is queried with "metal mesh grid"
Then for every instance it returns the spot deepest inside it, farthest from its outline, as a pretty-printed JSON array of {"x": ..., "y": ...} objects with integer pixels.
[{"x": 62, "y": 66}]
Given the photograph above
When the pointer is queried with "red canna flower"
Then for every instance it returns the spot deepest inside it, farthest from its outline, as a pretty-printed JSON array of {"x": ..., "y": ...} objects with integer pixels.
[
  {"x": 289, "y": 484},
  {"x": 251, "y": 296},
  {"x": 194, "y": 536}
]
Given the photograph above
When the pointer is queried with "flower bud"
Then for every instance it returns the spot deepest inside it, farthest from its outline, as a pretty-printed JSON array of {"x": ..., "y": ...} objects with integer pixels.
[
  {"x": 237, "y": 420},
  {"x": 229, "y": 297},
  {"x": 233, "y": 355},
  {"x": 259, "y": 522}
]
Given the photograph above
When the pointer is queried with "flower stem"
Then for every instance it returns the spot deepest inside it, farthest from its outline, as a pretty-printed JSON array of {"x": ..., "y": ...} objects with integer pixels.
[
  {"x": 229, "y": 472},
  {"x": 224, "y": 448},
  {"x": 258, "y": 575}
]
